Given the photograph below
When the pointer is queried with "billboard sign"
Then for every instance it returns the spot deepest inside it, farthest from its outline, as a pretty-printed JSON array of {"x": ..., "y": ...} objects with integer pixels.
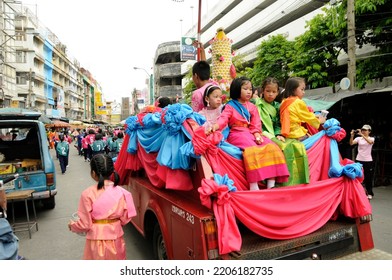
[{"x": 188, "y": 51}]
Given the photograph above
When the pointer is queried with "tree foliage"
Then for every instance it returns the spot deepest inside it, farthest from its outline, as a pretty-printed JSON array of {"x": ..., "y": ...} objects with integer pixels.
[
  {"x": 374, "y": 27},
  {"x": 273, "y": 57},
  {"x": 317, "y": 50}
]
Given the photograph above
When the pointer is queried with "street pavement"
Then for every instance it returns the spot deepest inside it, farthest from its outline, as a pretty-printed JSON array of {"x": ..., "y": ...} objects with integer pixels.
[{"x": 54, "y": 241}]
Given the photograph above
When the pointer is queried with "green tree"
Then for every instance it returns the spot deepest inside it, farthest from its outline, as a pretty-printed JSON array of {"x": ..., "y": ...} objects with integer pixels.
[
  {"x": 317, "y": 50},
  {"x": 189, "y": 87},
  {"x": 374, "y": 26},
  {"x": 273, "y": 57}
]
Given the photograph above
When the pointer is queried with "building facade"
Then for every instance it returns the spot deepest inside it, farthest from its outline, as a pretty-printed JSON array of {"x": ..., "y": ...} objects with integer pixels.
[
  {"x": 37, "y": 72},
  {"x": 246, "y": 22}
]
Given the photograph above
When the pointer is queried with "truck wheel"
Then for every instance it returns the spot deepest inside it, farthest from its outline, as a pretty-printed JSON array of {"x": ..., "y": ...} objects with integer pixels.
[
  {"x": 49, "y": 203},
  {"x": 159, "y": 248}
]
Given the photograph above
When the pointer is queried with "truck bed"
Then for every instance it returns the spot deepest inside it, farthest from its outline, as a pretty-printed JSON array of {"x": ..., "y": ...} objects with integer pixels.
[{"x": 333, "y": 240}]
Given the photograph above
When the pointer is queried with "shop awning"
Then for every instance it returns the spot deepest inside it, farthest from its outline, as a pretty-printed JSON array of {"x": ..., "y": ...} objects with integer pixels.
[{"x": 324, "y": 101}]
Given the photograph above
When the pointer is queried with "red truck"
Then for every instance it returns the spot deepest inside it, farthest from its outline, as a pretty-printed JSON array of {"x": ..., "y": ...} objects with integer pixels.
[{"x": 185, "y": 220}]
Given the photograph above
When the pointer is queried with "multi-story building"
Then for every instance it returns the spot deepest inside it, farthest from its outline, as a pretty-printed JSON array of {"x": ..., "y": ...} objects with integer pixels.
[
  {"x": 246, "y": 23},
  {"x": 38, "y": 73}
]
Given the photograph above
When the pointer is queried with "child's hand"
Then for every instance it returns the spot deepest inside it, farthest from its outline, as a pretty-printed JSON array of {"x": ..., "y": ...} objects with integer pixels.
[
  {"x": 321, "y": 119},
  {"x": 69, "y": 225},
  {"x": 258, "y": 138},
  {"x": 281, "y": 138}
]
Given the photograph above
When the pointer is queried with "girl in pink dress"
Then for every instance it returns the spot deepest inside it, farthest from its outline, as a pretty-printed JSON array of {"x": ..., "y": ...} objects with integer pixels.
[
  {"x": 103, "y": 210},
  {"x": 212, "y": 100},
  {"x": 263, "y": 159}
]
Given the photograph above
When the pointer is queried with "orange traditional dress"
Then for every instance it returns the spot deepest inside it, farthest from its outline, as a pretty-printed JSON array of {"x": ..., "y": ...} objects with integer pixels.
[{"x": 102, "y": 214}]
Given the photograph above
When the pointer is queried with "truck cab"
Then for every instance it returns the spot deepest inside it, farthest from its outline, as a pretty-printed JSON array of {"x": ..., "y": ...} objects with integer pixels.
[{"x": 24, "y": 150}]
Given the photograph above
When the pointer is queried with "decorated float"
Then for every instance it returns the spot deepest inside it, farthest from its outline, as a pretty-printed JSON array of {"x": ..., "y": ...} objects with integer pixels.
[{"x": 167, "y": 144}]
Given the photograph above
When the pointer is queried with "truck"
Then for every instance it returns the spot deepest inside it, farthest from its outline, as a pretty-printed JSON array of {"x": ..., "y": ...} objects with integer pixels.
[
  {"x": 195, "y": 211},
  {"x": 24, "y": 150}
]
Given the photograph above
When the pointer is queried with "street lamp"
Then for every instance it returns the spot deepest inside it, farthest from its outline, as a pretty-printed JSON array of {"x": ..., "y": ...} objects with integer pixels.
[{"x": 151, "y": 83}]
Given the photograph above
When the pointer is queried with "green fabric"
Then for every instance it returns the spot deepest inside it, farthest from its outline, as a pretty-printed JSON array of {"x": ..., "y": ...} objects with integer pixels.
[
  {"x": 296, "y": 159},
  {"x": 270, "y": 117}
]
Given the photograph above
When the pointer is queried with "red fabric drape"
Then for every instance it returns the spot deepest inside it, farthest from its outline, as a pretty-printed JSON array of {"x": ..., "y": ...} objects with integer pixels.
[
  {"x": 220, "y": 162},
  {"x": 229, "y": 237},
  {"x": 159, "y": 176},
  {"x": 287, "y": 212}
]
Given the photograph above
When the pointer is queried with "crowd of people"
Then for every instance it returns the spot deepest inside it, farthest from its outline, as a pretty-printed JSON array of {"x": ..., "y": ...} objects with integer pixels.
[{"x": 88, "y": 142}]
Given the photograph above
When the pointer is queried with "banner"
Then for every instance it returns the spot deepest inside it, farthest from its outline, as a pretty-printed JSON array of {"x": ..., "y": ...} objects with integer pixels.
[{"x": 188, "y": 51}]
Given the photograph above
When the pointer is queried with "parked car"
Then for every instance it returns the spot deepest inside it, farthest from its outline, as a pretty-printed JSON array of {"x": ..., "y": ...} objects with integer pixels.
[{"x": 24, "y": 150}]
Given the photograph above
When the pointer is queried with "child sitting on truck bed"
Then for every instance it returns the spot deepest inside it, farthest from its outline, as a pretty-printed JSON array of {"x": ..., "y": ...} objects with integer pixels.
[{"x": 263, "y": 158}]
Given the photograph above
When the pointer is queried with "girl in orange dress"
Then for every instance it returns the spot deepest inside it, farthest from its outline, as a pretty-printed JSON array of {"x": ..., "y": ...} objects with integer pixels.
[{"x": 103, "y": 210}]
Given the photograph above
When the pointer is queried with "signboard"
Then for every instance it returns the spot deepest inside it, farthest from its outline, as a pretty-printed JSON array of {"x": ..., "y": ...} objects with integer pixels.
[
  {"x": 14, "y": 103},
  {"x": 188, "y": 51}
]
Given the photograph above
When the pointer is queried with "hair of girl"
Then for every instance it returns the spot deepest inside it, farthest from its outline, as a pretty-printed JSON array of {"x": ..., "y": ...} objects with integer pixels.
[
  {"x": 235, "y": 87},
  {"x": 272, "y": 80},
  {"x": 208, "y": 91},
  {"x": 103, "y": 166},
  {"x": 291, "y": 85}
]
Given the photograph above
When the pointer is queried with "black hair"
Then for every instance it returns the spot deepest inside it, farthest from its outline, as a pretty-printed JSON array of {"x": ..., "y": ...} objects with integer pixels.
[
  {"x": 103, "y": 166},
  {"x": 91, "y": 131},
  {"x": 120, "y": 135},
  {"x": 272, "y": 80},
  {"x": 61, "y": 137},
  {"x": 163, "y": 101},
  {"x": 235, "y": 87},
  {"x": 98, "y": 136},
  {"x": 202, "y": 69},
  {"x": 291, "y": 85},
  {"x": 207, "y": 93},
  {"x": 258, "y": 89}
]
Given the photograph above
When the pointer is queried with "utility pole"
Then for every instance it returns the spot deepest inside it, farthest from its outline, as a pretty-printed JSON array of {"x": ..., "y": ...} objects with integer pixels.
[
  {"x": 29, "y": 97},
  {"x": 351, "y": 46}
]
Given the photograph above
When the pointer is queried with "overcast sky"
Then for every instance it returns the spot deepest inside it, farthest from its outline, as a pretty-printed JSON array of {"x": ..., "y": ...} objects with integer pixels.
[{"x": 109, "y": 38}]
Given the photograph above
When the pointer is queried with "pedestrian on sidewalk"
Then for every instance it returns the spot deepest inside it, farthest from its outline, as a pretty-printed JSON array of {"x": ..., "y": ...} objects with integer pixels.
[
  {"x": 62, "y": 149},
  {"x": 365, "y": 144},
  {"x": 104, "y": 209}
]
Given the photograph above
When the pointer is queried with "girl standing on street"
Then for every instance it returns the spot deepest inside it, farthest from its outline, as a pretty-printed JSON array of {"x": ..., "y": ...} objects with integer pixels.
[
  {"x": 104, "y": 209},
  {"x": 62, "y": 149},
  {"x": 364, "y": 156}
]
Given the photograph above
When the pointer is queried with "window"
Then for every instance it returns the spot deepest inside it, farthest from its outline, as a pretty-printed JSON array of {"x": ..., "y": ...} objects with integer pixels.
[
  {"x": 20, "y": 57},
  {"x": 21, "y": 78}
]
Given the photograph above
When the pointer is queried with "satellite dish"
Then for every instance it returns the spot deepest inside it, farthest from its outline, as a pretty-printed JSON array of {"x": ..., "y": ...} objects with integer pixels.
[{"x": 345, "y": 83}]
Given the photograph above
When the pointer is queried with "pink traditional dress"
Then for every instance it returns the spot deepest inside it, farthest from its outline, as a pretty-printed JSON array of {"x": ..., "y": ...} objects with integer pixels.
[
  {"x": 102, "y": 214},
  {"x": 211, "y": 115},
  {"x": 262, "y": 161}
]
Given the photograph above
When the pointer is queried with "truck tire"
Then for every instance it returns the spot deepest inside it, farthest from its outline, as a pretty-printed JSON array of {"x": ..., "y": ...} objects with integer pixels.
[
  {"x": 49, "y": 203},
  {"x": 158, "y": 245}
]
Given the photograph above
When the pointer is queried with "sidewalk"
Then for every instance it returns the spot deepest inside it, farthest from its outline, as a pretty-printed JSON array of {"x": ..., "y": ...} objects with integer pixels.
[{"x": 374, "y": 254}]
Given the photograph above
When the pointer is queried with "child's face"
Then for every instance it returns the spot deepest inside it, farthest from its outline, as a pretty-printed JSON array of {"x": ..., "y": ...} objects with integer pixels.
[
  {"x": 214, "y": 99},
  {"x": 300, "y": 90},
  {"x": 270, "y": 92},
  {"x": 246, "y": 92}
]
